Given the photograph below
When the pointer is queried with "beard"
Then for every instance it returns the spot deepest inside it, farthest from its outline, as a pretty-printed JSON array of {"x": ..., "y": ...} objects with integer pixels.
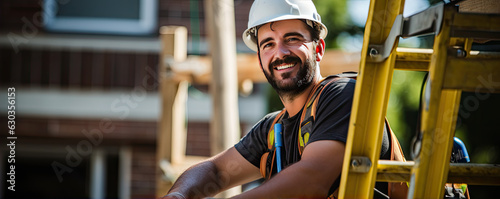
[{"x": 299, "y": 83}]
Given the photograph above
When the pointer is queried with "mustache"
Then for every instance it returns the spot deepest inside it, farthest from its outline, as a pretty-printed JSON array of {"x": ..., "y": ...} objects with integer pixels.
[{"x": 286, "y": 59}]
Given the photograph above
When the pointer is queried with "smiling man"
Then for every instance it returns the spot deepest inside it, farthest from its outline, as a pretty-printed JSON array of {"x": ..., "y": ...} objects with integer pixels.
[{"x": 288, "y": 38}]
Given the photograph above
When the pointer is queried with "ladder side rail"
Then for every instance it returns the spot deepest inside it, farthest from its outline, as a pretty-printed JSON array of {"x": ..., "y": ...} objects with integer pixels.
[
  {"x": 440, "y": 108},
  {"x": 369, "y": 103}
]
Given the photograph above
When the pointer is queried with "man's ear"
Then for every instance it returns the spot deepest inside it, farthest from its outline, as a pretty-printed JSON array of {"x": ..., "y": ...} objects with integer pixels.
[{"x": 320, "y": 49}]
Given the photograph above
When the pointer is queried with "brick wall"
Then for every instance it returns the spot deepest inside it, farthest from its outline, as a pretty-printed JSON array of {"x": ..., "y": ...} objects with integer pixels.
[
  {"x": 143, "y": 172},
  {"x": 197, "y": 139},
  {"x": 77, "y": 69},
  {"x": 140, "y": 135},
  {"x": 12, "y": 13},
  {"x": 189, "y": 13},
  {"x": 109, "y": 132},
  {"x": 92, "y": 69},
  {"x": 181, "y": 13},
  {"x": 123, "y": 132},
  {"x": 84, "y": 69}
]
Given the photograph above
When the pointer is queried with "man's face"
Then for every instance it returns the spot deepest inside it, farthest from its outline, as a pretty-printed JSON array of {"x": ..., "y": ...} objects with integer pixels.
[{"x": 287, "y": 55}]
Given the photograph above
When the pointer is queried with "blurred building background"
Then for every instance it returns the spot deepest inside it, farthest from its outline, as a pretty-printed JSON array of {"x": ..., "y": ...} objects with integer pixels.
[{"x": 87, "y": 102}]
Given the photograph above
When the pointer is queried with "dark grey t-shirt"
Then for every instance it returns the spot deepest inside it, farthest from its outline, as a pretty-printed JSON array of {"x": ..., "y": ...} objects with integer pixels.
[{"x": 331, "y": 123}]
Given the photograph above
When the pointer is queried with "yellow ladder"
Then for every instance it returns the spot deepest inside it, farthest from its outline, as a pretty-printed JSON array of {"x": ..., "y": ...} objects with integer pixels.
[{"x": 452, "y": 69}]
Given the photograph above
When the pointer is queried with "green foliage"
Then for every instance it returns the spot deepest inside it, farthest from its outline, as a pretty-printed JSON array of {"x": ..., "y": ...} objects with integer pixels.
[
  {"x": 336, "y": 18},
  {"x": 402, "y": 110},
  {"x": 477, "y": 124}
]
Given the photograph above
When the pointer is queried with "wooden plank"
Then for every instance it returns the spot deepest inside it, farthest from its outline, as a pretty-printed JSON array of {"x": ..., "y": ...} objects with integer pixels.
[
  {"x": 198, "y": 69},
  {"x": 171, "y": 138},
  {"x": 224, "y": 129},
  {"x": 225, "y": 125}
]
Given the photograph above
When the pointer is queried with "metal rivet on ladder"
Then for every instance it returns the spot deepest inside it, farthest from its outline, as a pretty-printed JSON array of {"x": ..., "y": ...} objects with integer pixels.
[
  {"x": 373, "y": 52},
  {"x": 360, "y": 164},
  {"x": 461, "y": 52},
  {"x": 457, "y": 52}
]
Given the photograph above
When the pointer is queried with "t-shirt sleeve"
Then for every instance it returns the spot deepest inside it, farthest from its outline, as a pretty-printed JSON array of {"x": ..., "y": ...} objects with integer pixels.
[
  {"x": 254, "y": 144},
  {"x": 333, "y": 111}
]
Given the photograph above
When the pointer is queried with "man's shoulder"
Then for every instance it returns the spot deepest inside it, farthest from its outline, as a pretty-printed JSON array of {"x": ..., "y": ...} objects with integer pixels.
[
  {"x": 339, "y": 91},
  {"x": 341, "y": 79},
  {"x": 339, "y": 85}
]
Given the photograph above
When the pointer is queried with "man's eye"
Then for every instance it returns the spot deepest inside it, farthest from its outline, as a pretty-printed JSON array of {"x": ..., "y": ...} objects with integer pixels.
[
  {"x": 292, "y": 39},
  {"x": 267, "y": 45}
]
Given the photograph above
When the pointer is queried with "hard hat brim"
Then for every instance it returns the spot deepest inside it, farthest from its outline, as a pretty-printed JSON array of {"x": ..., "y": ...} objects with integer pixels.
[{"x": 250, "y": 42}]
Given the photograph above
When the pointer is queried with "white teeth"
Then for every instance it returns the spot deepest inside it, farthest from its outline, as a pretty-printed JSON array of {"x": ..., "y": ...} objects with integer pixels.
[{"x": 285, "y": 66}]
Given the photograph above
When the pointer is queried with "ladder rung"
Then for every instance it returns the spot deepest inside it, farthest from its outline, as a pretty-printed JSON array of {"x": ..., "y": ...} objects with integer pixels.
[
  {"x": 474, "y": 75},
  {"x": 470, "y": 173},
  {"x": 474, "y": 174},
  {"x": 414, "y": 59},
  {"x": 417, "y": 59},
  {"x": 394, "y": 171}
]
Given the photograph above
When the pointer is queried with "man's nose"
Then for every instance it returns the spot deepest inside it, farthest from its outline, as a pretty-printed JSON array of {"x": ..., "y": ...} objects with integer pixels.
[{"x": 282, "y": 51}]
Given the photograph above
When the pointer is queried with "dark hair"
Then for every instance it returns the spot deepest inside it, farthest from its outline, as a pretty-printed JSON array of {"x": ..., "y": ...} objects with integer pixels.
[{"x": 313, "y": 31}]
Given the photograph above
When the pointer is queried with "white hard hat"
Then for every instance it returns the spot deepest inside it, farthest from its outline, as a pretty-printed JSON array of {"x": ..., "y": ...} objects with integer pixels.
[{"x": 265, "y": 11}]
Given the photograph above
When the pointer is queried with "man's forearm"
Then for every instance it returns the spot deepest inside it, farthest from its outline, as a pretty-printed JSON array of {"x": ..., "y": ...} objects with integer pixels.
[
  {"x": 311, "y": 177},
  {"x": 201, "y": 180},
  {"x": 210, "y": 177}
]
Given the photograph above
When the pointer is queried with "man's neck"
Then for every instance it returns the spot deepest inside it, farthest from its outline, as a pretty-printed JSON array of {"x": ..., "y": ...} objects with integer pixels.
[{"x": 294, "y": 104}]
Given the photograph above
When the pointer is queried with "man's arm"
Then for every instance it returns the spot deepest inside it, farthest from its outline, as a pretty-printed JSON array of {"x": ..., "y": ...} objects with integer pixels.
[
  {"x": 214, "y": 175},
  {"x": 311, "y": 177}
]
